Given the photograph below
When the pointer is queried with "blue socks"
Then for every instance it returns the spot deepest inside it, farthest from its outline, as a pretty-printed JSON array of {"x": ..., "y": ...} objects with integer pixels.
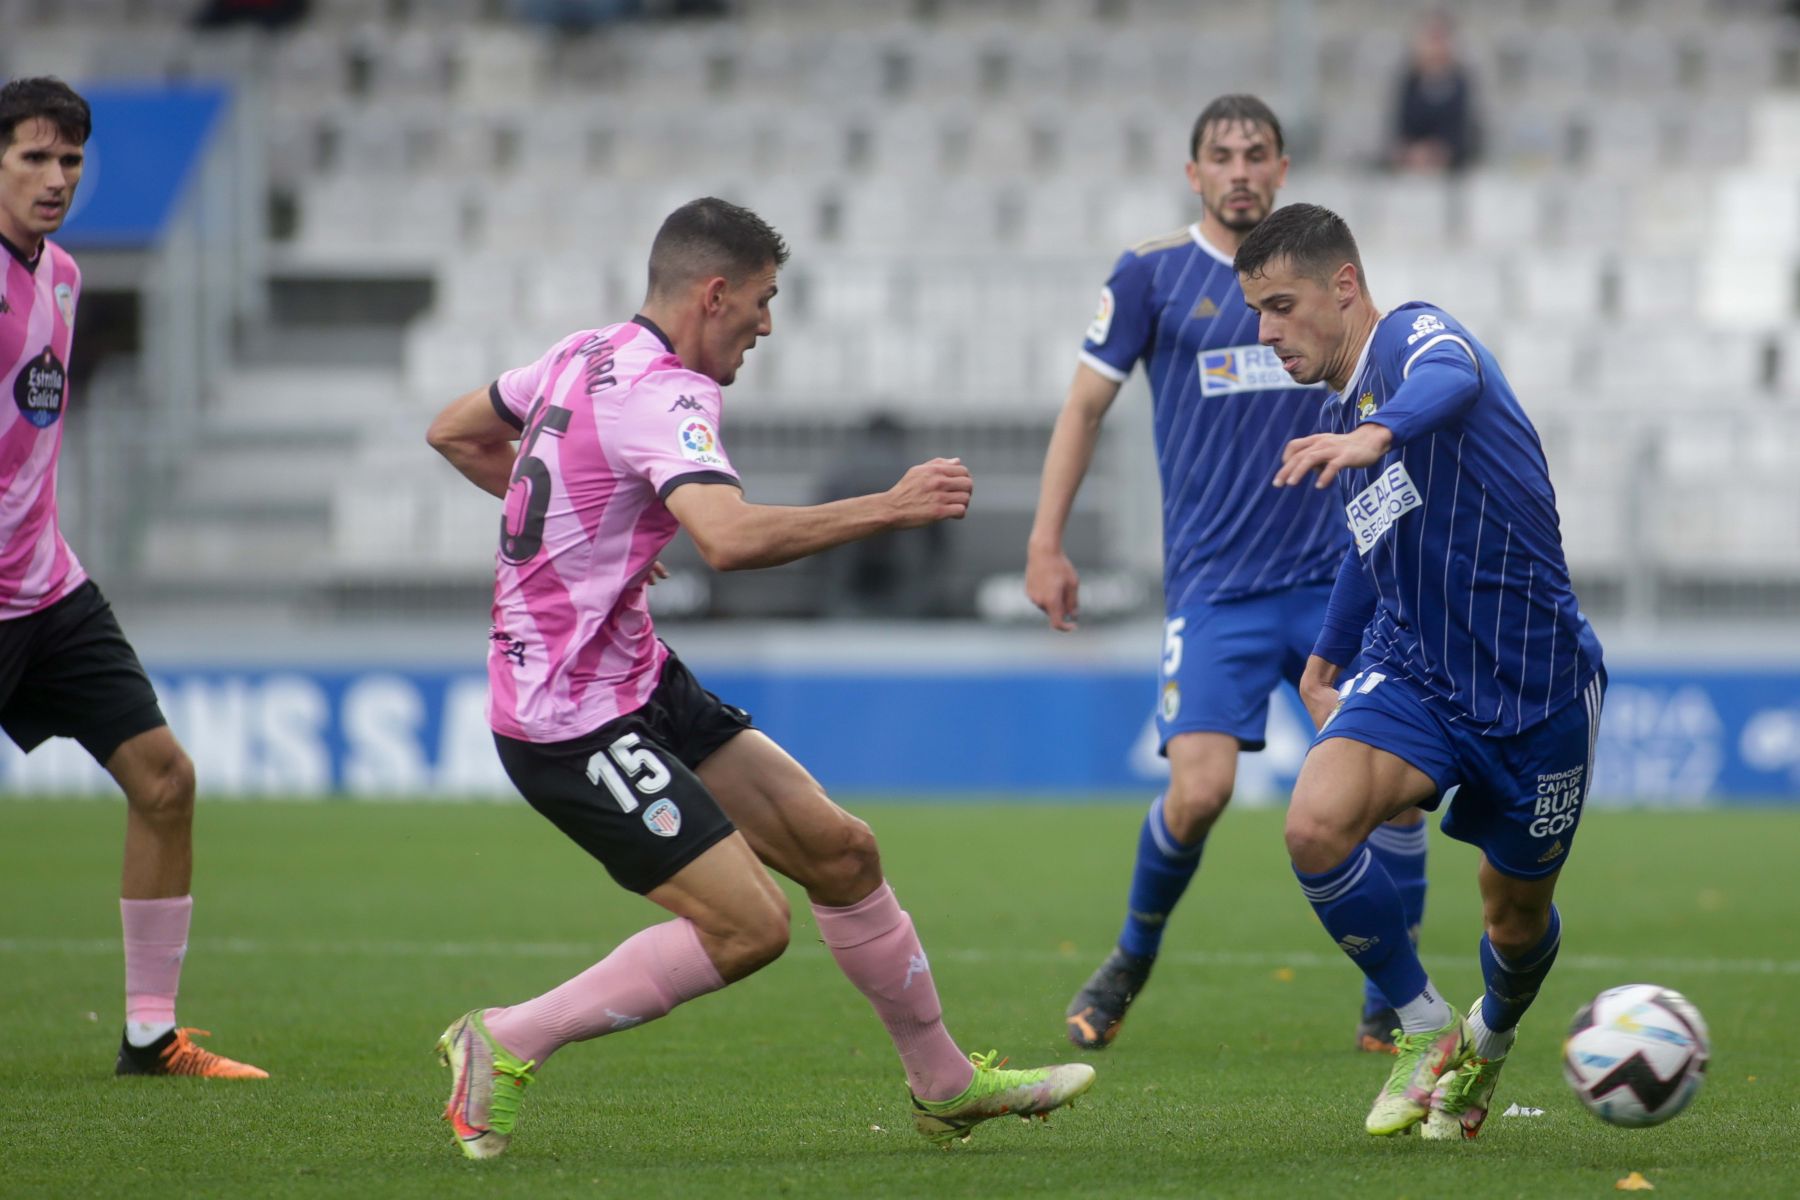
[
  {"x": 1164, "y": 867},
  {"x": 1512, "y": 983},
  {"x": 1362, "y": 910},
  {"x": 1402, "y": 852}
]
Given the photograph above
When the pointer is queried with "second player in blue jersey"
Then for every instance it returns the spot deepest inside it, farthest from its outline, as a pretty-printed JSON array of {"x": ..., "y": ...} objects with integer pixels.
[
  {"x": 1480, "y": 682},
  {"x": 1247, "y": 568}
]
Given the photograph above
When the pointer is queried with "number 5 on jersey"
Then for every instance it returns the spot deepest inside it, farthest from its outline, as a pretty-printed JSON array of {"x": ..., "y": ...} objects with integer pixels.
[
  {"x": 636, "y": 763},
  {"x": 528, "y": 495}
]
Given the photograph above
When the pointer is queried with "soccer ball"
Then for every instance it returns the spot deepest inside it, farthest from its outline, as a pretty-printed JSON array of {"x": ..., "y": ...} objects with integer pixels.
[{"x": 1636, "y": 1054}]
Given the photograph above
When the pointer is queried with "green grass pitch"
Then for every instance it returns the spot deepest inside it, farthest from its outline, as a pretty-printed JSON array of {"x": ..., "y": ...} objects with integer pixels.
[{"x": 332, "y": 942}]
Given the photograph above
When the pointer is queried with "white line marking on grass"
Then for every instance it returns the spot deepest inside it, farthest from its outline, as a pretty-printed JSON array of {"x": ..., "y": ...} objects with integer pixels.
[{"x": 588, "y": 951}]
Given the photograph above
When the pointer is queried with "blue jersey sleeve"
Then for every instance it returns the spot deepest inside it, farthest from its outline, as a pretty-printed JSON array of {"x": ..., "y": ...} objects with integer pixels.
[
  {"x": 1347, "y": 613},
  {"x": 1440, "y": 377},
  {"x": 1120, "y": 332}
]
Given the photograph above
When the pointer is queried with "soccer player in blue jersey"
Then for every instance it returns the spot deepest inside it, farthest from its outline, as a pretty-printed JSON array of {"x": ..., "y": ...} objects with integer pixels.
[
  {"x": 1480, "y": 681},
  {"x": 1246, "y": 569}
]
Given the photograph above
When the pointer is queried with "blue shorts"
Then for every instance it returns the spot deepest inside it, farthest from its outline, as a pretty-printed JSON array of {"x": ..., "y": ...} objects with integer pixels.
[
  {"x": 1518, "y": 799},
  {"x": 1222, "y": 661}
]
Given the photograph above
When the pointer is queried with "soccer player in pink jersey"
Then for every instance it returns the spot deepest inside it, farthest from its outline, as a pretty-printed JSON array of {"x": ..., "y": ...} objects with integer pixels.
[
  {"x": 66, "y": 669},
  {"x": 607, "y": 734}
]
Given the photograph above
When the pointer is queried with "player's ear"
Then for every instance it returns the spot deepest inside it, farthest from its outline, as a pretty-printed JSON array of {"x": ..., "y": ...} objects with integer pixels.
[
  {"x": 714, "y": 295},
  {"x": 1346, "y": 285}
]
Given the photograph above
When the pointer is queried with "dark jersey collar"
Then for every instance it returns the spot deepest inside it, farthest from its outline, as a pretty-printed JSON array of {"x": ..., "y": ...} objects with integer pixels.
[
  {"x": 652, "y": 326},
  {"x": 31, "y": 263}
]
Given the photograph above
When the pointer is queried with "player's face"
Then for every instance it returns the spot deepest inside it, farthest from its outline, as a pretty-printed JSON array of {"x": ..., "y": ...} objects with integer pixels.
[
  {"x": 38, "y": 173},
  {"x": 1237, "y": 172},
  {"x": 1299, "y": 318},
  {"x": 742, "y": 316}
]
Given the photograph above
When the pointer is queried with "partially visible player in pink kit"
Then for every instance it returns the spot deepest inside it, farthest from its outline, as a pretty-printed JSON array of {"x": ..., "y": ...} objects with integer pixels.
[
  {"x": 606, "y": 733},
  {"x": 66, "y": 669}
]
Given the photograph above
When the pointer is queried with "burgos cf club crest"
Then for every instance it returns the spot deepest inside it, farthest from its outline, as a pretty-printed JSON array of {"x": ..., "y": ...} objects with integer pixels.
[{"x": 699, "y": 443}]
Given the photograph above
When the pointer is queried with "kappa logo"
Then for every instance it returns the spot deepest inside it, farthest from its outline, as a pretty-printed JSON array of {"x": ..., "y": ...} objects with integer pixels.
[
  {"x": 1424, "y": 326},
  {"x": 1206, "y": 308},
  {"x": 918, "y": 966},
  {"x": 687, "y": 402},
  {"x": 623, "y": 1020},
  {"x": 1353, "y": 945}
]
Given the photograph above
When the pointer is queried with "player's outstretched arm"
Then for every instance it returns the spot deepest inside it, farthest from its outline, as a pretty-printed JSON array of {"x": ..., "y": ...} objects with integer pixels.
[
  {"x": 734, "y": 535},
  {"x": 1051, "y": 581},
  {"x": 476, "y": 440},
  {"x": 1329, "y": 453}
]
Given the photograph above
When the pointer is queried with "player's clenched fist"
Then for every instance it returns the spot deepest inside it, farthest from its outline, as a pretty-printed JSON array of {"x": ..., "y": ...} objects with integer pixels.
[{"x": 938, "y": 490}]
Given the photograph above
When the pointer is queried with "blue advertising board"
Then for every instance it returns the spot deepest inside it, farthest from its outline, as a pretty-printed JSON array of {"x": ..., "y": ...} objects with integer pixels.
[
  {"x": 146, "y": 144},
  {"x": 1669, "y": 736}
]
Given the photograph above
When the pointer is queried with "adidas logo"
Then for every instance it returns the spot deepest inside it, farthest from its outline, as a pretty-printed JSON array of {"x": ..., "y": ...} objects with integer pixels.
[
  {"x": 1206, "y": 308},
  {"x": 1555, "y": 849},
  {"x": 1353, "y": 945}
]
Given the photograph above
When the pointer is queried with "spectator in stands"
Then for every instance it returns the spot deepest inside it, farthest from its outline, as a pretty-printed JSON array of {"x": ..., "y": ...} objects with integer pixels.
[
  {"x": 270, "y": 14},
  {"x": 576, "y": 16},
  {"x": 897, "y": 574},
  {"x": 1435, "y": 126}
]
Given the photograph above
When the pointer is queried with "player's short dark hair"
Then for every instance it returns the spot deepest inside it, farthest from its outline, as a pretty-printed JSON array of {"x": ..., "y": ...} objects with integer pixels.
[
  {"x": 708, "y": 237},
  {"x": 1235, "y": 109},
  {"x": 1315, "y": 240},
  {"x": 47, "y": 98}
]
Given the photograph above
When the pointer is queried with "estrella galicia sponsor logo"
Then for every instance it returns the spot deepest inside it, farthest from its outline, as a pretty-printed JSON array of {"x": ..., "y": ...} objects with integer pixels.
[
  {"x": 1376, "y": 508},
  {"x": 1243, "y": 369},
  {"x": 663, "y": 819},
  {"x": 1426, "y": 325},
  {"x": 1557, "y": 805},
  {"x": 687, "y": 402},
  {"x": 1100, "y": 328},
  {"x": 698, "y": 442},
  {"x": 39, "y": 389}
]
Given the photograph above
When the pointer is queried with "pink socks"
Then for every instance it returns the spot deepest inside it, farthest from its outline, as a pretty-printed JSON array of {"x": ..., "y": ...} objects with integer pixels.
[
  {"x": 648, "y": 974},
  {"x": 156, "y": 934},
  {"x": 875, "y": 946}
]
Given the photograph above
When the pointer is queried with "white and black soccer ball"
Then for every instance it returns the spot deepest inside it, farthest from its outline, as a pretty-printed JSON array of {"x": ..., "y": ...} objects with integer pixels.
[{"x": 1637, "y": 1054}]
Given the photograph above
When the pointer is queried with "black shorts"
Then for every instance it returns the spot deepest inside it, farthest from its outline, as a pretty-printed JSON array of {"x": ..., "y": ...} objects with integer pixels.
[
  {"x": 67, "y": 671},
  {"x": 627, "y": 793}
]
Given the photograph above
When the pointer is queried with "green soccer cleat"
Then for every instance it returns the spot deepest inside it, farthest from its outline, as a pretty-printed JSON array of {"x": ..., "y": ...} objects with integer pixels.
[
  {"x": 1464, "y": 1096},
  {"x": 486, "y": 1086},
  {"x": 1419, "y": 1059},
  {"x": 996, "y": 1092}
]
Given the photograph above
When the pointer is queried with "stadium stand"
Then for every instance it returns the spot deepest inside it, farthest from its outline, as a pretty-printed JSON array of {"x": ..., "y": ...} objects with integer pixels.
[{"x": 450, "y": 191}]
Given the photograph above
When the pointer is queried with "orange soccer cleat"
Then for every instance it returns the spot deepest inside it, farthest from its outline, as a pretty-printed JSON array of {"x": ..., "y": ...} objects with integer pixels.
[{"x": 174, "y": 1053}]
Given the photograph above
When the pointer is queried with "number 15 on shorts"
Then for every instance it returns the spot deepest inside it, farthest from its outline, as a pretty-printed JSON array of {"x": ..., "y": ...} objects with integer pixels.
[{"x": 634, "y": 762}]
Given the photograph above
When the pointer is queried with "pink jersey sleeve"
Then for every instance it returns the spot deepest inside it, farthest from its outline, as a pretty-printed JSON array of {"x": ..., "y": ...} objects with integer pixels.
[
  {"x": 516, "y": 390},
  {"x": 668, "y": 432}
]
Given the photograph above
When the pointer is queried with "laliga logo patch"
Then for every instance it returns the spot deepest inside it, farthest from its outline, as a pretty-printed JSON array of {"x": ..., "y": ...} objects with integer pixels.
[
  {"x": 65, "y": 302},
  {"x": 663, "y": 818},
  {"x": 1101, "y": 326},
  {"x": 698, "y": 441}
]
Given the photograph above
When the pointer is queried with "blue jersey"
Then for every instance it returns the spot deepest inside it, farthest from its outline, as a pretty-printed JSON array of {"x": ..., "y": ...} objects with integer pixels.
[
  {"x": 1456, "y": 578},
  {"x": 1223, "y": 409}
]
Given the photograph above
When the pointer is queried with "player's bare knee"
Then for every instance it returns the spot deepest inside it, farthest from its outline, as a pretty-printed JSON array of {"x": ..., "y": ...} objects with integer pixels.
[
  {"x": 848, "y": 866},
  {"x": 1191, "y": 809},
  {"x": 1514, "y": 928},
  {"x": 166, "y": 795},
  {"x": 1314, "y": 842}
]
